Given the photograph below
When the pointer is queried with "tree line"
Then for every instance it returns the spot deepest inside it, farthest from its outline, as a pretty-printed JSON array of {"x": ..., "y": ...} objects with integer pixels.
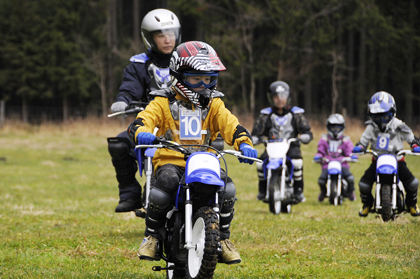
[{"x": 334, "y": 54}]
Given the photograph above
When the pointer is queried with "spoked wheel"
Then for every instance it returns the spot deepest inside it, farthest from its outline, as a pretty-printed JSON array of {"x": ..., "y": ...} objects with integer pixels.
[
  {"x": 274, "y": 201},
  {"x": 386, "y": 198},
  {"x": 333, "y": 193},
  {"x": 206, "y": 237}
]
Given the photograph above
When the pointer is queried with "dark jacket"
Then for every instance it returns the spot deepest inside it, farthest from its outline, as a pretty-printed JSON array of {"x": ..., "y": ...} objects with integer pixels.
[{"x": 138, "y": 79}]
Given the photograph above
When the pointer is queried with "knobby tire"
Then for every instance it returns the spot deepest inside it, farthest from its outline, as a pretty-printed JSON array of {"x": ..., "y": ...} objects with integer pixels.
[{"x": 212, "y": 240}]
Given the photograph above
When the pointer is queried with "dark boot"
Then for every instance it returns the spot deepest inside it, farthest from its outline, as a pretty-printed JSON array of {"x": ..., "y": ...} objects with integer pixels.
[
  {"x": 366, "y": 197},
  {"x": 367, "y": 200},
  {"x": 262, "y": 189},
  {"x": 298, "y": 192},
  {"x": 350, "y": 191},
  {"x": 323, "y": 193}
]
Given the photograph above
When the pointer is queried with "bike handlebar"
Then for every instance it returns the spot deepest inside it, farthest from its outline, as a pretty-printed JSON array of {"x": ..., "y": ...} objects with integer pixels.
[
  {"x": 289, "y": 140},
  {"x": 401, "y": 152},
  {"x": 344, "y": 159},
  {"x": 163, "y": 143},
  {"x": 133, "y": 108}
]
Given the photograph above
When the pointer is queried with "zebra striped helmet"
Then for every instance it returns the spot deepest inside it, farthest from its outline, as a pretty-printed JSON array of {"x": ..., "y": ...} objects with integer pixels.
[{"x": 191, "y": 60}]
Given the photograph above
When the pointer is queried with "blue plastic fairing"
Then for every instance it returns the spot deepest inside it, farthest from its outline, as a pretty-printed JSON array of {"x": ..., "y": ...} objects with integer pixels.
[
  {"x": 386, "y": 169},
  {"x": 204, "y": 176}
]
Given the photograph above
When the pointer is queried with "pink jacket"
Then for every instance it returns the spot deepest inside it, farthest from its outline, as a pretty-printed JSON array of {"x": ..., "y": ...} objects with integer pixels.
[{"x": 334, "y": 149}]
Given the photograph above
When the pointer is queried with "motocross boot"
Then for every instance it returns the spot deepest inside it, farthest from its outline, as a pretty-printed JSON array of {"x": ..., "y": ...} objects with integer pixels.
[
  {"x": 411, "y": 197},
  {"x": 262, "y": 190},
  {"x": 229, "y": 253},
  {"x": 298, "y": 192},
  {"x": 351, "y": 196},
  {"x": 366, "y": 197},
  {"x": 350, "y": 192},
  {"x": 414, "y": 210},
  {"x": 364, "y": 211},
  {"x": 148, "y": 249},
  {"x": 321, "y": 196}
]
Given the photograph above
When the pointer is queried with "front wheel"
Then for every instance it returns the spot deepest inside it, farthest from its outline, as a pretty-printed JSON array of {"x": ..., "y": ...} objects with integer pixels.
[
  {"x": 206, "y": 238},
  {"x": 333, "y": 192},
  {"x": 386, "y": 199},
  {"x": 274, "y": 201}
]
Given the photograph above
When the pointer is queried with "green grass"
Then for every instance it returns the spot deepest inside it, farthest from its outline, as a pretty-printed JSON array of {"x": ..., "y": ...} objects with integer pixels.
[{"x": 58, "y": 193}]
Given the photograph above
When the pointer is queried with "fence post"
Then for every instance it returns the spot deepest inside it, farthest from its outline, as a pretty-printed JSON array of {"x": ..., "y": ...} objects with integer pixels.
[{"x": 2, "y": 113}]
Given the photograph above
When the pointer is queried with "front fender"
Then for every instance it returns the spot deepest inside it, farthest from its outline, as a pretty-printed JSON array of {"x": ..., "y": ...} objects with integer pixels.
[{"x": 274, "y": 164}]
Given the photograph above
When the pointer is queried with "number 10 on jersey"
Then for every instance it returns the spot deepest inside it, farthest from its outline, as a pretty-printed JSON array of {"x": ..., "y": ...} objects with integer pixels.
[{"x": 190, "y": 124}]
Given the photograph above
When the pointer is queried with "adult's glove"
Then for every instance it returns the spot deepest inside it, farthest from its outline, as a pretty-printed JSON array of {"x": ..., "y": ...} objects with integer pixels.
[
  {"x": 317, "y": 158},
  {"x": 416, "y": 148},
  {"x": 255, "y": 140},
  {"x": 358, "y": 149},
  {"x": 305, "y": 138},
  {"x": 145, "y": 138},
  {"x": 118, "y": 106},
  {"x": 247, "y": 151}
]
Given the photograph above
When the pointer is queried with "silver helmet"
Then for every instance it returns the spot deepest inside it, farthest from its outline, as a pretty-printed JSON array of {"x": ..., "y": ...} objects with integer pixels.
[
  {"x": 336, "y": 125},
  {"x": 159, "y": 20},
  {"x": 280, "y": 89}
]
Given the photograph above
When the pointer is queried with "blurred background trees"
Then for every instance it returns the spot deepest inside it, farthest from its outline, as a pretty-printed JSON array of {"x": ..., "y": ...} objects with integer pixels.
[{"x": 61, "y": 59}]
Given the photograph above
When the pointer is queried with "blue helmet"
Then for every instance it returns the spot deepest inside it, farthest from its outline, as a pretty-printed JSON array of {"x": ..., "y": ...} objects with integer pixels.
[{"x": 382, "y": 109}]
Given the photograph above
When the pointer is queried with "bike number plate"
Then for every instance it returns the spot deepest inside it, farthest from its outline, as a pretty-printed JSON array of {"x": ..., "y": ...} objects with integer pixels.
[
  {"x": 383, "y": 141},
  {"x": 190, "y": 124}
]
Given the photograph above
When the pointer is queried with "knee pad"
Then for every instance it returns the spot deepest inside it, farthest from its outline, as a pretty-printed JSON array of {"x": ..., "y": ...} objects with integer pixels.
[
  {"x": 159, "y": 200},
  {"x": 413, "y": 186},
  {"x": 228, "y": 203},
  {"x": 118, "y": 147},
  {"x": 167, "y": 180},
  {"x": 230, "y": 191},
  {"x": 159, "y": 203},
  {"x": 125, "y": 165},
  {"x": 298, "y": 169},
  {"x": 365, "y": 188}
]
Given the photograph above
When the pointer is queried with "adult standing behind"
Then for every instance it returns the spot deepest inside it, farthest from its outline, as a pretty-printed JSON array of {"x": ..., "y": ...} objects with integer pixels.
[{"x": 149, "y": 71}]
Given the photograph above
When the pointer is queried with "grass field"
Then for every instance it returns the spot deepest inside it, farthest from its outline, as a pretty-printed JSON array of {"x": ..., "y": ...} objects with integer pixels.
[{"x": 58, "y": 193}]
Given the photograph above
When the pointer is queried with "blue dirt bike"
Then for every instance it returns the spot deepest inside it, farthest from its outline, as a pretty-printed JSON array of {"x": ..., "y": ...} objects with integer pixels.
[
  {"x": 192, "y": 246},
  {"x": 389, "y": 198},
  {"x": 278, "y": 169},
  {"x": 336, "y": 184}
]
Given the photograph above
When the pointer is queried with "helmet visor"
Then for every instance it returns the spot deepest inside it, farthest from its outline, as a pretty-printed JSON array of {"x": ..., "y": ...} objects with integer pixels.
[
  {"x": 284, "y": 95},
  {"x": 198, "y": 79},
  {"x": 171, "y": 32},
  {"x": 335, "y": 129},
  {"x": 382, "y": 117}
]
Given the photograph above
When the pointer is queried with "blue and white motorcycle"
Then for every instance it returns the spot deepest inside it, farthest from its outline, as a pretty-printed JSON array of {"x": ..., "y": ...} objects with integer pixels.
[
  {"x": 389, "y": 198},
  {"x": 336, "y": 184},
  {"x": 192, "y": 244},
  {"x": 279, "y": 172}
]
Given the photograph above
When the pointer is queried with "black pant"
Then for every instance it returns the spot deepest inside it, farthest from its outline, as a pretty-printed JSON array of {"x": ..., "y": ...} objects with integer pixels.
[
  {"x": 164, "y": 190},
  {"x": 404, "y": 174}
]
